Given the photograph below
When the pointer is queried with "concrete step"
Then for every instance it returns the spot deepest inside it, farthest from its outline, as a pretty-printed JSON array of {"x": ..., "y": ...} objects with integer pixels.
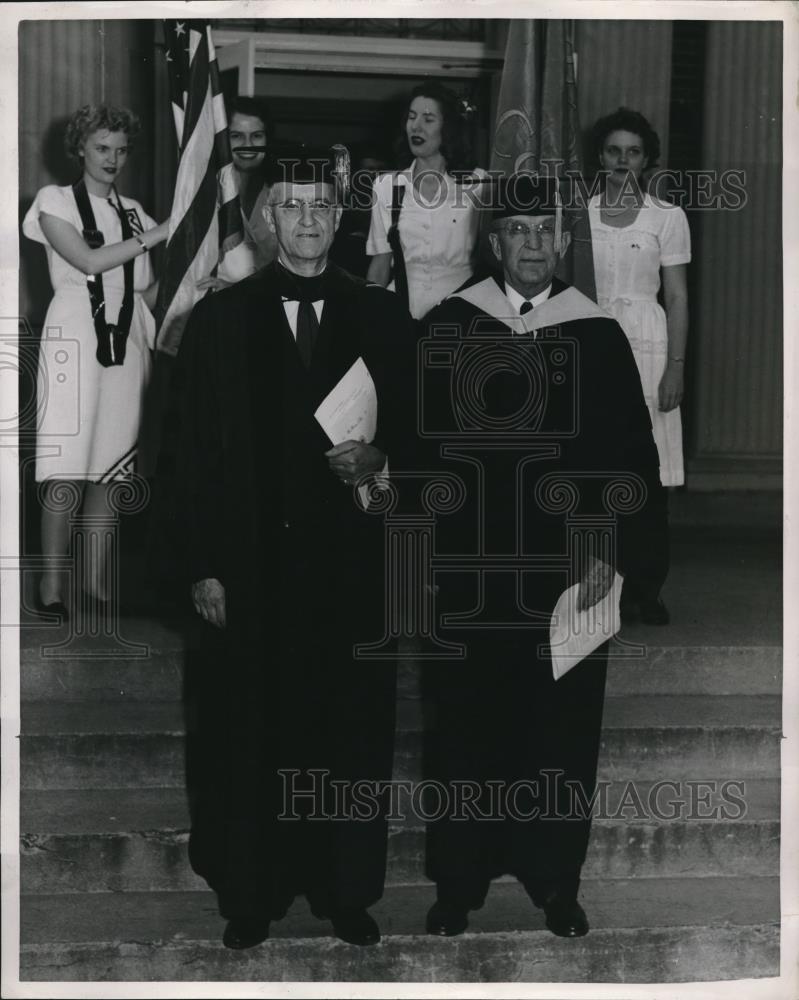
[
  {"x": 157, "y": 678},
  {"x": 725, "y": 509},
  {"x": 84, "y": 746},
  {"x": 140, "y": 744},
  {"x": 56, "y": 664},
  {"x": 645, "y": 661},
  {"x": 135, "y": 840},
  {"x": 724, "y": 593},
  {"x": 690, "y": 737},
  {"x": 135, "y": 638},
  {"x": 689, "y": 670},
  {"x": 643, "y": 930},
  {"x": 627, "y": 712}
]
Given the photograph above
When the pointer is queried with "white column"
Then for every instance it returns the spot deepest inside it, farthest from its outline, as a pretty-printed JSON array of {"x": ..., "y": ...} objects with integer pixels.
[{"x": 736, "y": 356}]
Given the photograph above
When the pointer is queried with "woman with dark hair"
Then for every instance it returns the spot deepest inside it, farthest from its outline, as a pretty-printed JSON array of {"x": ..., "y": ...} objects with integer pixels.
[
  {"x": 640, "y": 245},
  {"x": 424, "y": 224},
  {"x": 94, "y": 358},
  {"x": 248, "y": 123},
  {"x": 248, "y": 127}
]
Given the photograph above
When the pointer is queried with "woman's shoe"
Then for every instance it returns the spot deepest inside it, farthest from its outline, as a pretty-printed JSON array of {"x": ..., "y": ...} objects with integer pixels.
[{"x": 53, "y": 608}]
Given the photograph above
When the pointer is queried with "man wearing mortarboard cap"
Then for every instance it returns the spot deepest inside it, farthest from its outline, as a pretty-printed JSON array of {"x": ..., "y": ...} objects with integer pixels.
[
  {"x": 286, "y": 569},
  {"x": 540, "y": 411}
]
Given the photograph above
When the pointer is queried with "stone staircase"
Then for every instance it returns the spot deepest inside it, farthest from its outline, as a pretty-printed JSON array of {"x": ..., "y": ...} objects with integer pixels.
[{"x": 107, "y": 892}]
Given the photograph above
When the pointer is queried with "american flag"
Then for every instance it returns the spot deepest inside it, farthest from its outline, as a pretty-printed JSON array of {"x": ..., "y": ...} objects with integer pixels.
[
  {"x": 205, "y": 222},
  {"x": 537, "y": 126}
]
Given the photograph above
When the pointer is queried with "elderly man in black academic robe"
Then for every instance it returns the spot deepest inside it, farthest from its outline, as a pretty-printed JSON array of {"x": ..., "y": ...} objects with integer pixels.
[
  {"x": 285, "y": 565},
  {"x": 530, "y": 394}
]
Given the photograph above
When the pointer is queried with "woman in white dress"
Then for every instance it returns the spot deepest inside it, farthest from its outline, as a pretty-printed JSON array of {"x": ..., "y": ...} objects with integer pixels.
[
  {"x": 640, "y": 244},
  {"x": 94, "y": 358},
  {"x": 435, "y": 235}
]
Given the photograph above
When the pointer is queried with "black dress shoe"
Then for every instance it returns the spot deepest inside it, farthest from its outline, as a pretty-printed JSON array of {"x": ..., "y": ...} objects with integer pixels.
[
  {"x": 654, "y": 612},
  {"x": 565, "y": 916},
  {"x": 355, "y": 926},
  {"x": 446, "y": 920},
  {"x": 245, "y": 933}
]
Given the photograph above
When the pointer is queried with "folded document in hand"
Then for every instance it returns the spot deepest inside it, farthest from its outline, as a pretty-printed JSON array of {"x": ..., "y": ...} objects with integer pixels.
[
  {"x": 574, "y": 634},
  {"x": 349, "y": 411}
]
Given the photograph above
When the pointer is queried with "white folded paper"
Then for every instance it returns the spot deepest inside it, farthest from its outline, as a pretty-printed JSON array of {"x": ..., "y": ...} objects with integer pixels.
[
  {"x": 349, "y": 411},
  {"x": 574, "y": 634}
]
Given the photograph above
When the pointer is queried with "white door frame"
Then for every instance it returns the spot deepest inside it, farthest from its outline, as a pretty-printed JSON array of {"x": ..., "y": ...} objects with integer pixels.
[{"x": 249, "y": 51}]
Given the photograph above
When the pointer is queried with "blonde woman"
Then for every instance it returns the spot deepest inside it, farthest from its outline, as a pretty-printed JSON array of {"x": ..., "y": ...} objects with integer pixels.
[{"x": 94, "y": 358}]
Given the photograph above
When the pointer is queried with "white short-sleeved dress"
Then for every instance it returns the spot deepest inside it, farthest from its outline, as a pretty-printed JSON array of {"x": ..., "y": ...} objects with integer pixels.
[
  {"x": 438, "y": 238},
  {"x": 89, "y": 416},
  {"x": 627, "y": 265}
]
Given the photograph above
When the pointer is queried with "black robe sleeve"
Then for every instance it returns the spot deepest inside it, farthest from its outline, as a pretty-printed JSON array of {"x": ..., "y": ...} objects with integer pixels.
[
  {"x": 614, "y": 441},
  {"x": 199, "y": 490},
  {"x": 389, "y": 351}
]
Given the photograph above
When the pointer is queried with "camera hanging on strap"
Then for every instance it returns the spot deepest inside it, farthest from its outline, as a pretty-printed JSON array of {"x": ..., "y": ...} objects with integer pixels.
[{"x": 112, "y": 338}]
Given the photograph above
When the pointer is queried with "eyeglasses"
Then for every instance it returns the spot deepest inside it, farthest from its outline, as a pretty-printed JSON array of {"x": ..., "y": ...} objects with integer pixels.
[
  {"x": 294, "y": 206},
  {"x": 523, "y": 229}
]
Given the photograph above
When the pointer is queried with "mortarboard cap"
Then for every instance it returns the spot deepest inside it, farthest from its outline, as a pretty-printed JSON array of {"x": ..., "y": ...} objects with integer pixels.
[
  {"x": 299, "y": 163},
  {"x": 526, "y": 194}
]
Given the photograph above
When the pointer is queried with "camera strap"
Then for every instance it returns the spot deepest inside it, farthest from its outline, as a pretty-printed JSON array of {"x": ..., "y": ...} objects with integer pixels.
[
  {"x": 400, "y": 276},
  {"x": 111, "y": 339}
]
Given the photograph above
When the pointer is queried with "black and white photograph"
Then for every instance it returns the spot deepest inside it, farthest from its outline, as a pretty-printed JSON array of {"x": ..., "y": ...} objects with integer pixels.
[{"x": 398, "y": 551}]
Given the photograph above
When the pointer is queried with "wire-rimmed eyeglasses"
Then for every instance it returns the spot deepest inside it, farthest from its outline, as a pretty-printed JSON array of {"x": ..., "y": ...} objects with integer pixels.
[
  {"x": 318, "y": 206},
  {"x": 525, "y": 229}
]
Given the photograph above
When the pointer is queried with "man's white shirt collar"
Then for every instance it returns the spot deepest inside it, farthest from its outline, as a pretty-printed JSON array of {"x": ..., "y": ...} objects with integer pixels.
[
  {"x": 516, "y": 300},
  {"x": 291, "y": 307}
]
